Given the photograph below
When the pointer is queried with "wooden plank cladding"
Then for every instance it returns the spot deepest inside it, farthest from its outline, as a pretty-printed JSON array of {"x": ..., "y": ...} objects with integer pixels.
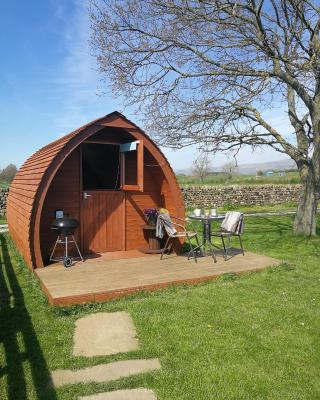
[
  {"x": 63, "y": 194},
  {"x": 90, "y": 189}
]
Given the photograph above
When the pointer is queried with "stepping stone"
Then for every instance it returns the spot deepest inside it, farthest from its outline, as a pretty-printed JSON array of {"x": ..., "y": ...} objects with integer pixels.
[
  {"x": 130, "y": 394},
  {"x": 104, "y": 334},
  {"x": 104, "y": 372}
]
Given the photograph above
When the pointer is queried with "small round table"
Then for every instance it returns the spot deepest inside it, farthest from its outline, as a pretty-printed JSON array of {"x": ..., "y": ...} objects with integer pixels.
[
  {"x": 153, "y": 241},
  {"x": 206, "y": 229}
]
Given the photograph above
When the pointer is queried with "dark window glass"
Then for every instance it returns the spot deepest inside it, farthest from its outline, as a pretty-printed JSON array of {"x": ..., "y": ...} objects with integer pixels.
[
  {"x": 100, "y": 166},
  {"x": 130, "y": 167}
]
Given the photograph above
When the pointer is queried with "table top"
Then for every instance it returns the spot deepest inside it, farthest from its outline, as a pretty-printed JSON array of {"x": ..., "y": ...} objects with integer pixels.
[{"x": 206, "y": 217}]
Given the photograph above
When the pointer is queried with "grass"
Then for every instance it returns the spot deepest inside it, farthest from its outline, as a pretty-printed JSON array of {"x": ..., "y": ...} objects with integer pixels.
[
  {"x": 3, "y": 220},
  {"x": 254, "y": 336},
  {"x": 4, "y": 185},
  {"x": 291, "y": 177},
  {"x": 291, "y": 206}
]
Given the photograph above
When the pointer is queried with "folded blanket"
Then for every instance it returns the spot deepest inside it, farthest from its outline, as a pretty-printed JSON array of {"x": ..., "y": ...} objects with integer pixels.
[
  {"x": 164, "y": 223},
  {"x": 233, "y": 222}
]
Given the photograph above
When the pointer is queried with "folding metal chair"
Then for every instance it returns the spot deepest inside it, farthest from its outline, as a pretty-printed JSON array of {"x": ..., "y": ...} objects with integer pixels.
[
  {"x": 232, "y": 225},
  {"x": 181, "y": 232}
]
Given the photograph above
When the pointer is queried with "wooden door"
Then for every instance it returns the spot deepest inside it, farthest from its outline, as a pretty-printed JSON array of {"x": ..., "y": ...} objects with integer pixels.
[{"x": 103, "y": 221}]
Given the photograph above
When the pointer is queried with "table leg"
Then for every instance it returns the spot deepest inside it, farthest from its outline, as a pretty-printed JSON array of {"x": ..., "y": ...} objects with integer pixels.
[{"x": 206, "y": 233}]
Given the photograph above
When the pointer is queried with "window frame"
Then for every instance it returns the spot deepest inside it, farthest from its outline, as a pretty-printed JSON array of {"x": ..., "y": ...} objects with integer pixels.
[{"x": 139, "y": 147}]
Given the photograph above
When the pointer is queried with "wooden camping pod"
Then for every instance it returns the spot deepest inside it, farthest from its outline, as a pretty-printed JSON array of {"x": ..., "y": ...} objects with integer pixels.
[{"x": 52, "y": 179}]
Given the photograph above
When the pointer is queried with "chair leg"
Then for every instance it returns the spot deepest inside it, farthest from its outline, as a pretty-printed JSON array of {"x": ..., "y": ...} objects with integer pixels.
[
  {"x": 240, "y": 240},
  {"x": 211, "y": 245},
  {"x": 228, "y": 247},
  {"x": 212, "y": 251},
  {"x": 198, "y": 245},
  {"x": 191, "y": 251},
  {"x": 224, "y": 249},
  {"x": 165, "y": 248}
]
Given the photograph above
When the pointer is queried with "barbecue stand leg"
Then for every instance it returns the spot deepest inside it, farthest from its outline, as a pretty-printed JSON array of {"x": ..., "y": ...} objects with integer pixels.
[
  {"x": 67, "y": 261},
  {"x": 74, "y": 241},
  {"x": 54, "y": 248}
]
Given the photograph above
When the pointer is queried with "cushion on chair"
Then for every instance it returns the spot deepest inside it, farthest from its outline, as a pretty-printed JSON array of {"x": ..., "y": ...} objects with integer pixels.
[
  {"x": 232, "y": 223},
  {"x": 164, "y": 223}
]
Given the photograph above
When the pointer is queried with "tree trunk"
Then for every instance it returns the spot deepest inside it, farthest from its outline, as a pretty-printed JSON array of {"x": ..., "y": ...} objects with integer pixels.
[{"x": 305, "y": 220}]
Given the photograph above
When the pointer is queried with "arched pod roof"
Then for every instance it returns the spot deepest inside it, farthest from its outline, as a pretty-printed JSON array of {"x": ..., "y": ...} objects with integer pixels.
[{"x": 28, "y": 189}]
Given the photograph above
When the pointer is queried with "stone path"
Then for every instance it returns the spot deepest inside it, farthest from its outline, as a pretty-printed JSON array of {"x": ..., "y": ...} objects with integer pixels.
[
  {"x": 104, "y": 334},
  {"x": 104, "y": 372},
  {"x": 130, "y": 394}
]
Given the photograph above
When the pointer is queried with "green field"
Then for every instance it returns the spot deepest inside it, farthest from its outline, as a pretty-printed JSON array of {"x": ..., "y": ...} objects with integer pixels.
[
  {"x": 4, "y": 185},
  {"x": 291, "y": 177},
  {"x": 254, "y": 208},
  {"x": 254, "y": 336}
]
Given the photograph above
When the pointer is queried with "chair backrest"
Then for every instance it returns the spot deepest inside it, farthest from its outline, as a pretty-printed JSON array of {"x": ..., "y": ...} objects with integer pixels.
[
  {"x": 233, "y": 222},
  {"x": 164, "y": 221}
]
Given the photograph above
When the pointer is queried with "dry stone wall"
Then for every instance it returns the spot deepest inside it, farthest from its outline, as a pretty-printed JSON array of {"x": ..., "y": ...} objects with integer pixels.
[
  {"x": 218, "y": 196},
  {"x": 3, "y": 201}
]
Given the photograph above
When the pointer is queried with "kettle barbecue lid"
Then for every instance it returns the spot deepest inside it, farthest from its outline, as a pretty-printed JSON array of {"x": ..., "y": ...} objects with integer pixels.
[{"x": 65, "y": 222}]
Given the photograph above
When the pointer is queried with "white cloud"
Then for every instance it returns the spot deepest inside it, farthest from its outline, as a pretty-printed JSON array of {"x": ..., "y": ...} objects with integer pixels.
[{"x": 77, "y": 80}]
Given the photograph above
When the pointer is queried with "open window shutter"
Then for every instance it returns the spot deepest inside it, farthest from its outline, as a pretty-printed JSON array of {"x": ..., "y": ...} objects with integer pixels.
[{"x": 132, "y": 166}]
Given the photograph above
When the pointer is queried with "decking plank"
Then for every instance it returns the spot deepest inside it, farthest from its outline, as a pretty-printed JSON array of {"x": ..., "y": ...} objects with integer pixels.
[{"x": 102, "y": 278}]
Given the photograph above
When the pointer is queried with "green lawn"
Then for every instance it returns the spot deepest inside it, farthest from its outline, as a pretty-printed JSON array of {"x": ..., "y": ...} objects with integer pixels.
[
  {"x": 291, "y": 177},
  {"x": 252, "y": 208},
  {"x": 254, "y": 336},
  {"x": 4, "y": 185}
]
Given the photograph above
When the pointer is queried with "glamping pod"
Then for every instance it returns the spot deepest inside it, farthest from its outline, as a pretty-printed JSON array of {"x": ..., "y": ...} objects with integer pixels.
[{"x": 104, "y": 174}]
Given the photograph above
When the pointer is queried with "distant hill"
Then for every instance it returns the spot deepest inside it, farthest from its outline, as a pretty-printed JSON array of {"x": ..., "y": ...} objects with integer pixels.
[{"x": 251, "y": 169}]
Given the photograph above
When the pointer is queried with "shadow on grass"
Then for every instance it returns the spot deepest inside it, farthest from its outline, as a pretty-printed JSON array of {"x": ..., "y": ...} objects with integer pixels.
[
  {"x": 19, "y": 338},
  {"x": 271, "y": 224}
]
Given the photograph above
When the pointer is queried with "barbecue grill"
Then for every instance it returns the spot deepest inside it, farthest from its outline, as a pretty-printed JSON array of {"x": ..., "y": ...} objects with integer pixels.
[{"x": 65, "y": 228}]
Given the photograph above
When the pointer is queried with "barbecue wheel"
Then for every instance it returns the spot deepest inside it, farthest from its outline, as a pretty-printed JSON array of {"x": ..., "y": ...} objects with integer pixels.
[{"x": 67, "y": 262}]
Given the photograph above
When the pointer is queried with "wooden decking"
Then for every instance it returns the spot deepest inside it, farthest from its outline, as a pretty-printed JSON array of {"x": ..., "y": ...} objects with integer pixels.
[{"x": 112, "y": 275}]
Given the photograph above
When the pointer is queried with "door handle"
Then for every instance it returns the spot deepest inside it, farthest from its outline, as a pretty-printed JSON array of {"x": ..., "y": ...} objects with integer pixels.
[{"x": 86, "y": 195}]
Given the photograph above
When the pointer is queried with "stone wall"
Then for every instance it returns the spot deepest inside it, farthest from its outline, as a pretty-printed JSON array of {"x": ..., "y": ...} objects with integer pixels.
[
  {"x": 3, "y": 201},
  {"x": 218, "y": 196}
]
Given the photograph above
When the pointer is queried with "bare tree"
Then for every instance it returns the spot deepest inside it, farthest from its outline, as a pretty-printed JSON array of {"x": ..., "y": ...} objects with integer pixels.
[
  {"x": 209, "y": 72},
  {"x": 8, "y": 173},
  {"x": 201, "y": 166},
  {"x": 229, "y": 169}
]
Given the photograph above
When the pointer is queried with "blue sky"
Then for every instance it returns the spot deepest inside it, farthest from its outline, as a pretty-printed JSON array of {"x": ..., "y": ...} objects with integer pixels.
[{"x": 49, "y": 84}]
